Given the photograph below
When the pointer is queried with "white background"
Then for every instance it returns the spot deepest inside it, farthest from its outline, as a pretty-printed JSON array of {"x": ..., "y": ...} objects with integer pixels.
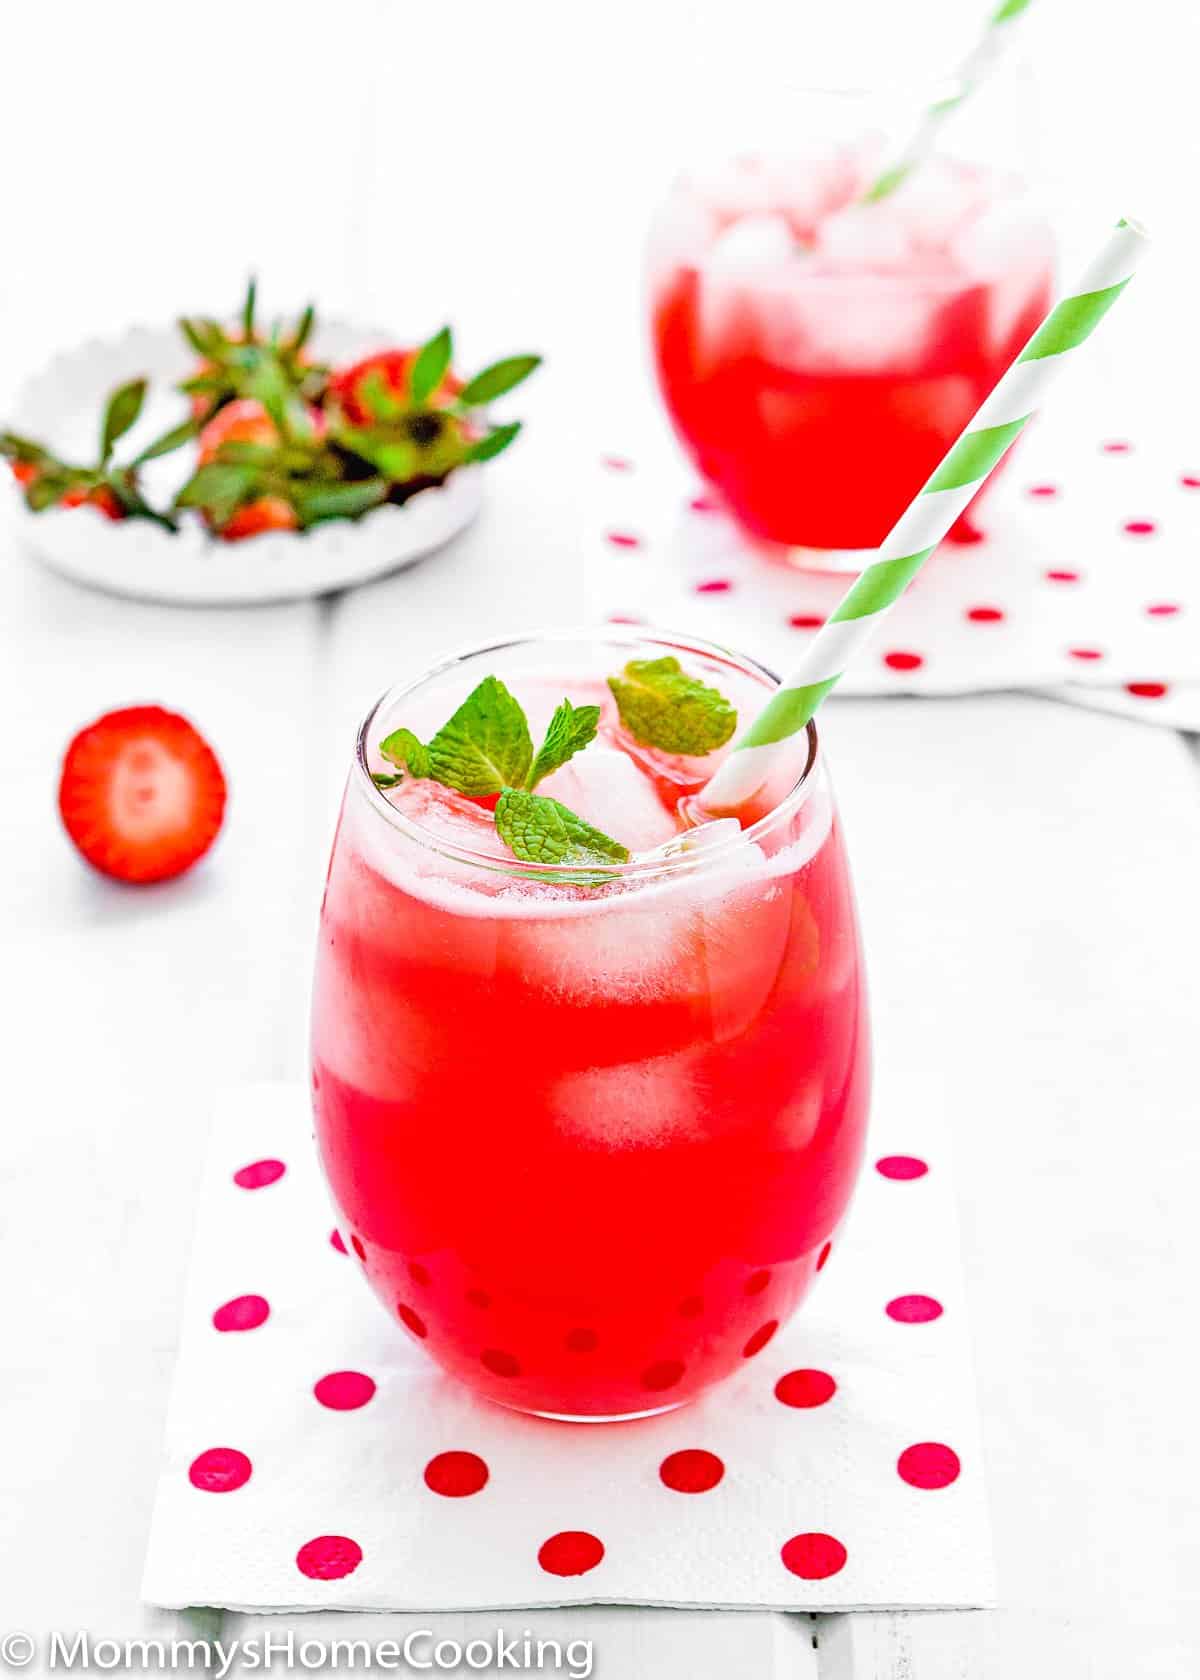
[{"x": 1027, "y": 872}]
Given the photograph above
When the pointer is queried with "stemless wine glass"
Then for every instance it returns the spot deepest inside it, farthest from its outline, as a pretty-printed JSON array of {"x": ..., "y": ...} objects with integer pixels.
[
  {"x": 590, "y": 1138},
  {"x": 818, "y": 354}
]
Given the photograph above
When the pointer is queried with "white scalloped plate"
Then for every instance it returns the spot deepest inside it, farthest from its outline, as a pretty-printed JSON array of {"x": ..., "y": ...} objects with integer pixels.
[{"x": 61, "y": 407}]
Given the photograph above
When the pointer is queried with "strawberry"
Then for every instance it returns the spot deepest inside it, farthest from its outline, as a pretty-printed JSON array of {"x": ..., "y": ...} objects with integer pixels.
[
  {"x": 252, "y": 519},
  {"x": 50, "y": 482},
  {"x": 247, "y": 421},
  {"x": 389, "y": 371},
  {"x": 241, "y": 362},
  {"x": 101, "y": 496},
  {"x": 142, "y": 794}
]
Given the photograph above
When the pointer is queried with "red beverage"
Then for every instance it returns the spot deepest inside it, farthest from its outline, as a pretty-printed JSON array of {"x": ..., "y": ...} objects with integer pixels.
[
  {"x": 591, "y": 1142},
  {"x": 818, "y": 355}
]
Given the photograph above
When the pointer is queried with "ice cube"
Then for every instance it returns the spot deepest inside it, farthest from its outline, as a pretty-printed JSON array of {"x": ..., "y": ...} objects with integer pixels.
[
  {"x": 606, "y": 789},
  {"x": 722, "y": 831},
  {"x": 643, "y": 1104},
  {"x": 936, "y": 202},
  {"x": 742, "y": 271},
  {"x": 750, "y": 245},
  {"x": 1007, "y": 248},
  {"x": 733, "y": 187},
  {"x": 865, "y": 238}
]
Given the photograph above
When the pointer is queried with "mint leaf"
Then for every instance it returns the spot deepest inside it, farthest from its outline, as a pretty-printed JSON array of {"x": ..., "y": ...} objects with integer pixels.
[
  {"x": 122, "y": 410},
  {"x": 404, "y": 750},
  {"x": 540, "y": 830},
  {"x": 485, "y": 747},
  {"x": 497, "y": 380},
  {"x": 661, "y": 706},
  {"x": 494, "y": 443},
  {"x": 568, "y": 732},
  {"x": 430, "y": 367}
]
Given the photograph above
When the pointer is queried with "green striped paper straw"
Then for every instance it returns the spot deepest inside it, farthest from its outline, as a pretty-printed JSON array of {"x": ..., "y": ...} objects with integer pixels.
[
  {"x": 926, "y": 521},
  {"x": 975, "y": 68}
]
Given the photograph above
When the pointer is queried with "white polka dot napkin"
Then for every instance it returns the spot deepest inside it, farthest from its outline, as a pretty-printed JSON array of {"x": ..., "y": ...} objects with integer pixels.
[
  {"x": 1085, "y": 581},
  {"x": 315, "y": 1459}
]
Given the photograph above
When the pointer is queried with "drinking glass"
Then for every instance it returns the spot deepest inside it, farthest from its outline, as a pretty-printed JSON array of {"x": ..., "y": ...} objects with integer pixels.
[
  {"x": 816, "y": 354},
  {"x": 590, "y": 1139}
]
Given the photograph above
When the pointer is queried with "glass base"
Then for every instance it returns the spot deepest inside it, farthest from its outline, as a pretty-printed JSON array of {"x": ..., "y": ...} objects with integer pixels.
[
  {"x": 846, "y": 562},
  {"x": 591, "y": 1417}
]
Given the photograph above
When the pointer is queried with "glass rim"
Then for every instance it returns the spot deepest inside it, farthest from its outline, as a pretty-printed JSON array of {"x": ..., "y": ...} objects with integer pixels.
[{"x": 636, "y": 870}]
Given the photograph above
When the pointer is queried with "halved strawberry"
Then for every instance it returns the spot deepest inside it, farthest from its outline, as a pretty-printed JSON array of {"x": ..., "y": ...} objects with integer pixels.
[
  {"x": 253, "y": 519},
  {"x": 392, "y": 368},
  {"x": 142, "y": 794},
  {"x": 243, "y": 421},
  {"x": 99, "y": 496}
]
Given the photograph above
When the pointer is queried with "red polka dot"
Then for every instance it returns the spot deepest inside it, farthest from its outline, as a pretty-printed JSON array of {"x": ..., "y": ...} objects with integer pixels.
[
  {"x": 244, "y": 1312},
  {"x": 344, "y": 1391},
  {"x": 623, "y": 539},
  {"x": 901, "y": 1166},
  {"x": 625, "y": 618},
  {"x": 259, "y": 1174},
  {"x": 220, "y": 1470},
  {"x": 814, "y": 1557},
  {"x": 500, "y": 1364},
  {"x": 1190, "y": 481},
  {"x": 329, "y": 1557},
  {"x": 335, "y": 1239},
  {"x": 414, "y": 1321},
  {"x": 356, "y": 1245},
  {"x": 1043, "y": 489},
  {"x": 456, "y": 1475},
  {"x": 805, "y": 1389},
  {"x": 1086, "y": 653},
  {"x": 824, "y": 1256},
  {"x": 573, "y": 1552},
  {"x": 1062, "y": 576},
  {"x": 929, "y": 1464},
  {"x": 664, "y": 1373},
  {"x": 1147, "y": 690},
  {"x": 1164, "y": 609},
  {"x": 617, "y": 463},
  {"x": 760, "y": 1338},
  {"x": 900, "y": 661},
  {"x": 806, "y": 621},
  {"x": 714, "y": 586},
  {"x": 1140, "y": 527},
  {"x": 479, "y": 1298},
  {"x": 704, "y": 504},
  {"x": 582, "y": 1340},
  {"x": 691, "y": 1471},
  {"x": 914, "y": 1309},
  {"x": 691, "y": 1306},
  {"x": 1116, "y": 446},
  {"x": 419, "y": 1274},
  {"x": 985, "y": 615},
  {"x": 757, "y": 1282}
]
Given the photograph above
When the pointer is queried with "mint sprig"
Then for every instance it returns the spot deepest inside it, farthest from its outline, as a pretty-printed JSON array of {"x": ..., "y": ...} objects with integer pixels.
[
  {"x": 541, "y": 830},
  {"x": 662, "y": 707},
  {"x": 486, "y": 749}
]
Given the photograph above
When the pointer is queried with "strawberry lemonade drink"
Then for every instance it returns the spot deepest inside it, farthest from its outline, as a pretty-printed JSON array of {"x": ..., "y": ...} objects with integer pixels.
[
  {"x": 590, "y": 1079},
  {"x": 799, "y": 332}
]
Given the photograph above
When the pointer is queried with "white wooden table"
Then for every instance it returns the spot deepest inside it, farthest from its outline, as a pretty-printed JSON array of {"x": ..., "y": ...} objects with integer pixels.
[
  {"x": 1027, "y": 879},
  {"x": 1027, "y": 873}
]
